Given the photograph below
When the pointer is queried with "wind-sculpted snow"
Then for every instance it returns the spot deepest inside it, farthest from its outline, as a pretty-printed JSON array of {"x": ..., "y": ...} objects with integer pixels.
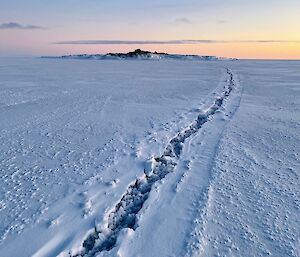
[
  {"x": 124, "y": 214},
  {"x": 134, "y": 169}
]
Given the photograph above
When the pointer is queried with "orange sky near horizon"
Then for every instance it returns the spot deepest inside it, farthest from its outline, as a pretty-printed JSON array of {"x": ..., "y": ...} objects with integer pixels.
[{"x": 19, "y": 44}]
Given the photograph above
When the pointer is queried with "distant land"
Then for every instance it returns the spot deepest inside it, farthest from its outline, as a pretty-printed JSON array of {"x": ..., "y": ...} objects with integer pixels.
[{"x": 140, "y": 55}]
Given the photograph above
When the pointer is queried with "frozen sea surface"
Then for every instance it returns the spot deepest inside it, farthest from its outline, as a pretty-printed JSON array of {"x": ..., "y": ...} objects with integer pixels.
[{"x": 76, "y": 136}]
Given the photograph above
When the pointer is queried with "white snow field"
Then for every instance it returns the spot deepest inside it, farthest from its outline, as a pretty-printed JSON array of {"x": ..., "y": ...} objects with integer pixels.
[{"x": 149, "y": 158}]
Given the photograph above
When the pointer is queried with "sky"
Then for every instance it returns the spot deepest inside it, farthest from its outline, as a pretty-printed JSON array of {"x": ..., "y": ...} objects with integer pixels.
[{"x": 257, "y": 29}]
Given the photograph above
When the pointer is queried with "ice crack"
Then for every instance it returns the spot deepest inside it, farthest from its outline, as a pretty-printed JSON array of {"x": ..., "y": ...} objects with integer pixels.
[{"x": 124, "y": 214}]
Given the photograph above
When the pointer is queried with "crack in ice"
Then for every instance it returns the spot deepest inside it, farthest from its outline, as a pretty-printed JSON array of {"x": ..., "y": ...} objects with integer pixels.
[{"x": 124, "y": 214}]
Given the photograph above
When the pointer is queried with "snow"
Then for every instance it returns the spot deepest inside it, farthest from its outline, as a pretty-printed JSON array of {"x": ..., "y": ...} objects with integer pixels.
[
  {"x": 254, "y": 195},
  {"x": 141, "y": 158}
]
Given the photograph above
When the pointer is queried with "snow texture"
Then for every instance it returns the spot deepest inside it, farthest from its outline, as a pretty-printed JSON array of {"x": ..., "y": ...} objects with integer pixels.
[{"x": 139, "y": 158}]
